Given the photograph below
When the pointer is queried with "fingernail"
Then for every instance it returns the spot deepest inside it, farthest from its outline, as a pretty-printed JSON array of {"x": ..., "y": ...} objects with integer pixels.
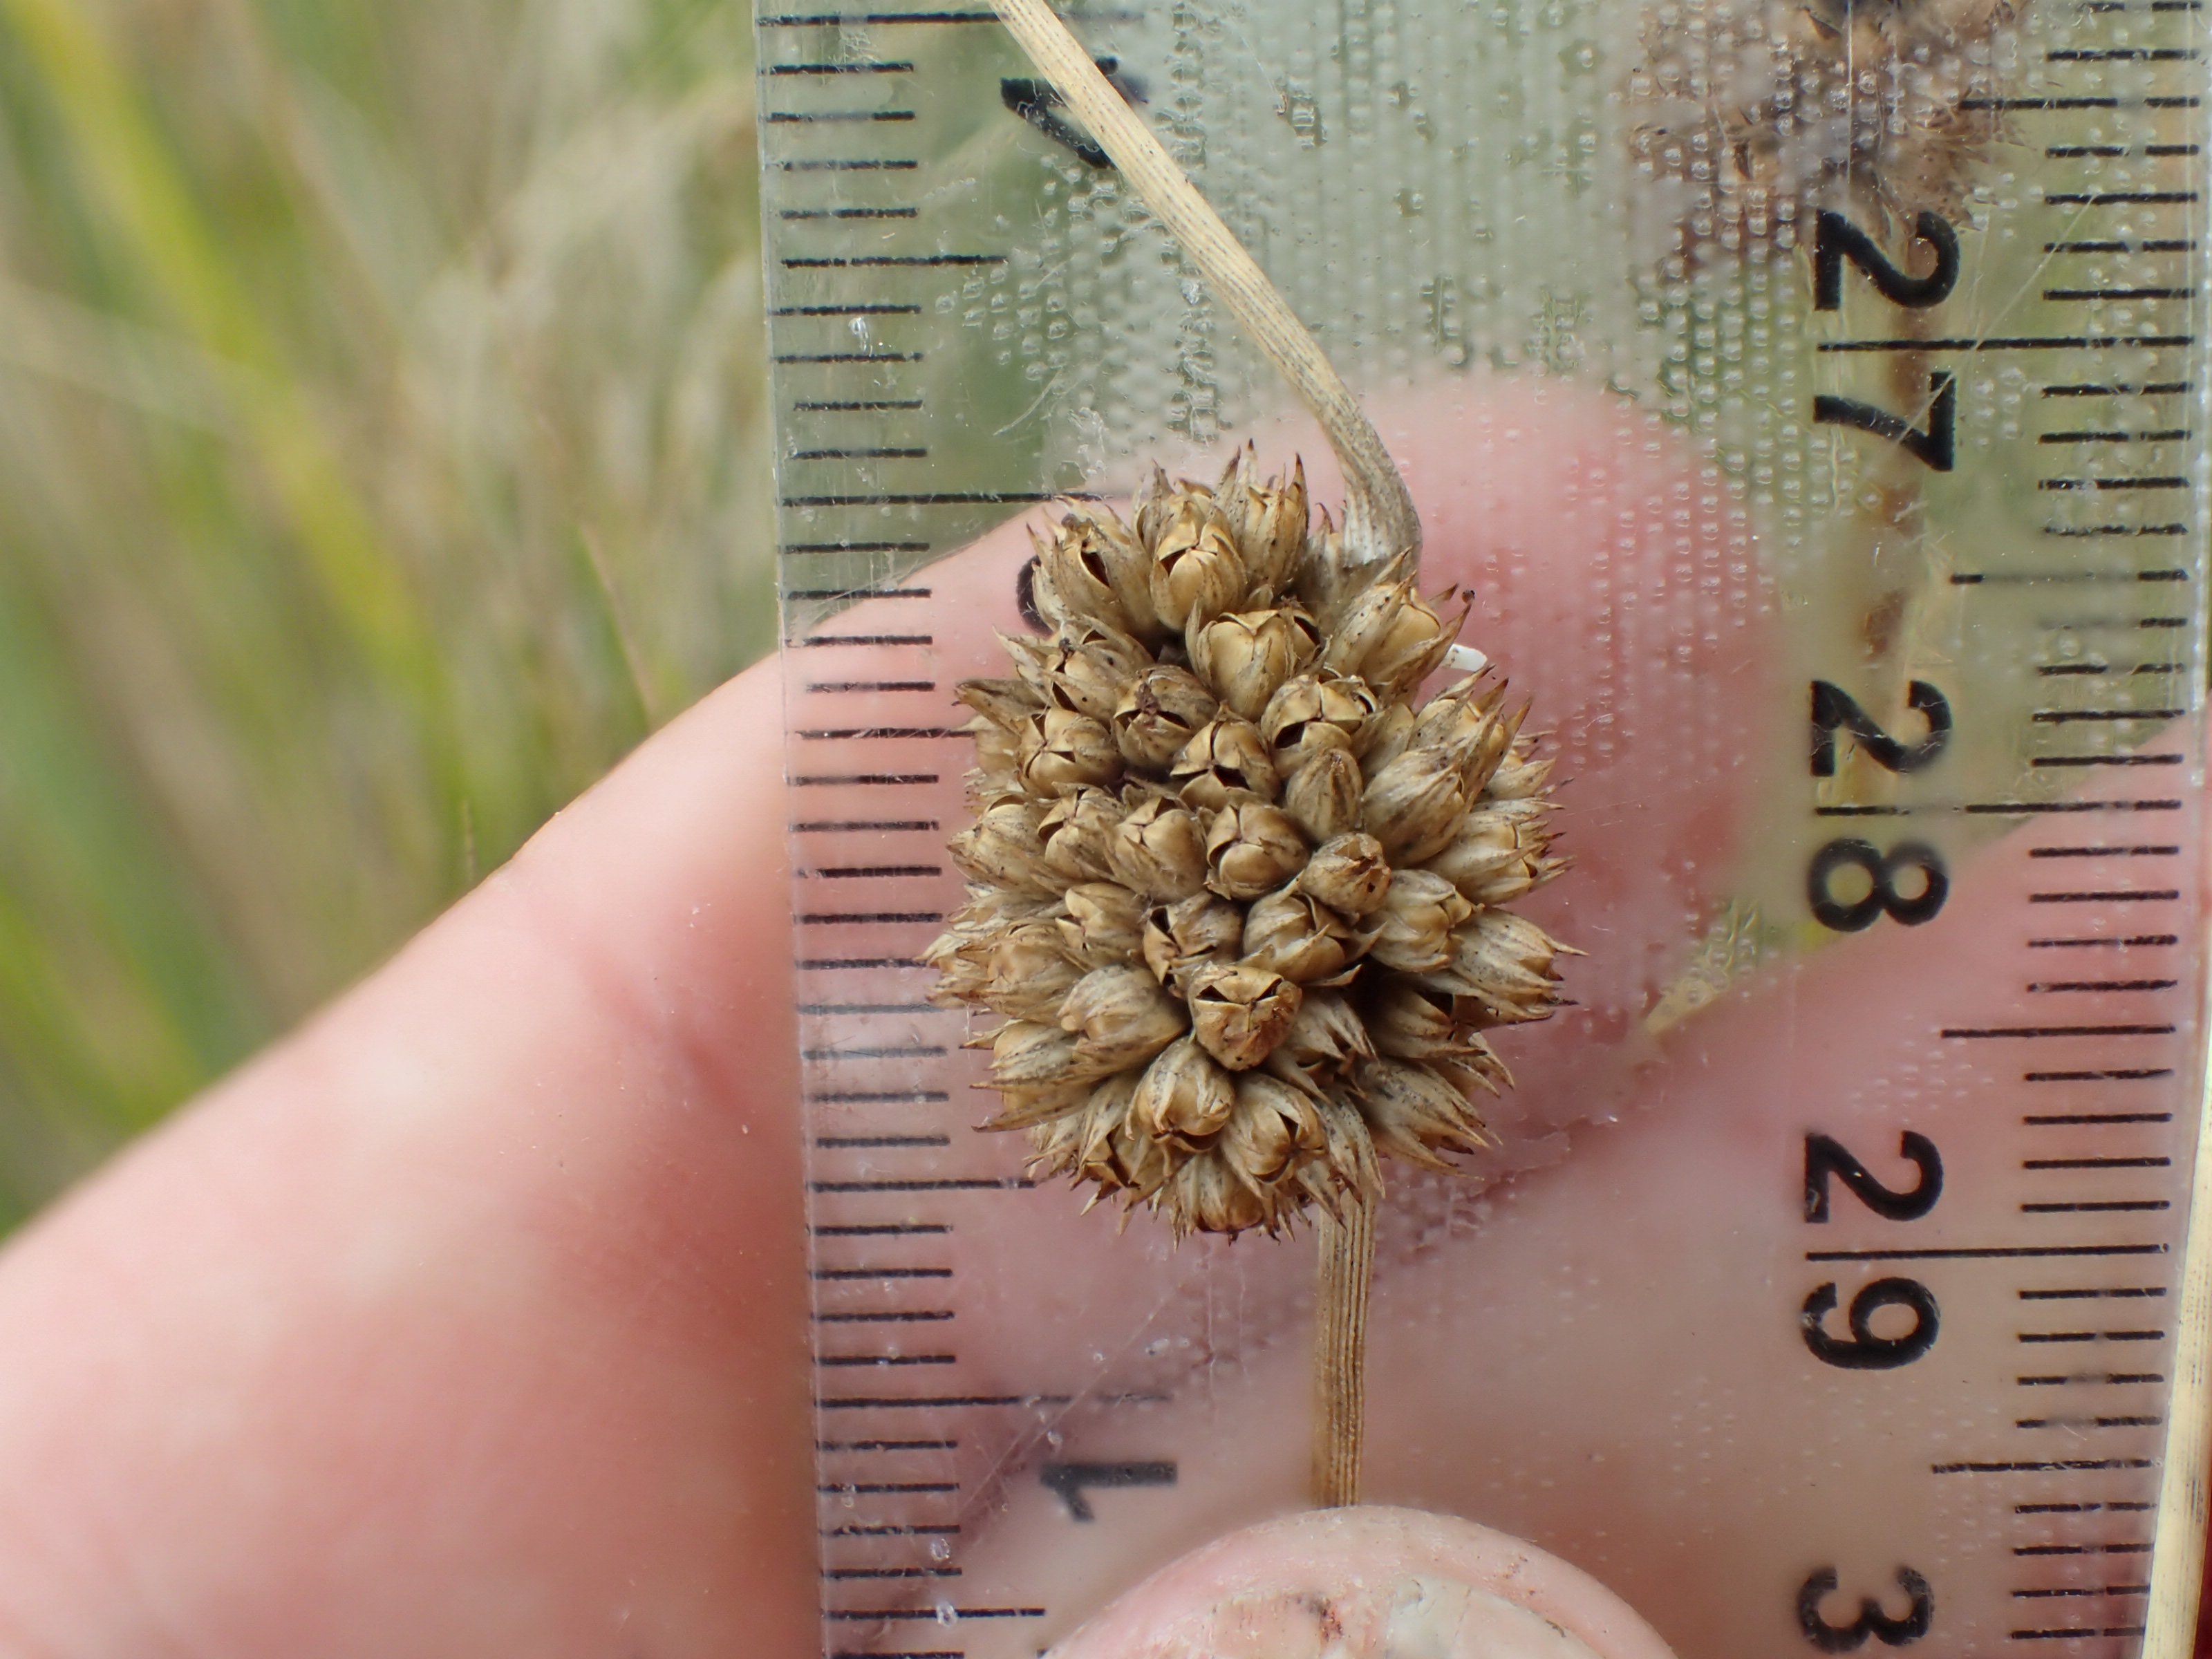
[{"x": 1368, "y": 1583}]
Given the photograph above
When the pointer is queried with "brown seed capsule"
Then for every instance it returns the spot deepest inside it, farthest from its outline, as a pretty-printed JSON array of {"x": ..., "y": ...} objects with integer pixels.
[
  {"x": 1061, "y": 752},
  {"x": 998, "y": 762},
  {"x": 1157, "y": 850},
  {"x": 1466, "y": 723},
  {"x": 1252, "y": 848},
  {"x": 1413, "y": 805},
  {"x": 1075, "y": 831},
  {"x": 1324, "y": 1045},
  {"x": 1313, "y": 712},
  {"x": 1349, "y": 1167},
  {"x": 1104, "y": 922},
  {"x": 1003, "y": 849},
  {"x": 1003, "y": 702},
  {"x": 1299, "y": 938},
  {"x": 1227, "y": 761},
  {"x": 1518, "y": 777},
  {"x": 1111, "y": 548},
  {"x": 1031, "y": 1055},
  {"x": 1078, "y": 1140},
  {"x": 1199, "y": 929},
  {"x": 1502, "y": 964},
  {"x": 1349, "y": 874},
  {"x": 1122, "y": 1017},
  {"x": 1207, "y": 1195},
  {"x": 1414, "y": 929},
  {"x": 1475, "y": 1066},
  {"x": 1159, "y": 714},
  {"x": 1323, "y": 795},
  {"x": 1384, "y": 738},
  {"x": 962, "y": 960},
  {"x": 1184, "y": 1093},
  {"x": 1241, "y": 1013},
  {"x": 1158, "y": 498},
  {"x": 1356, "y": 628},
  {"x": 1414, "y": 1113},
  {"x": 1197, "y": 572},
  {"x": 1089, "y": 668},
  {"x": 1408, "y": 1022},
  {"x": 1029, "y": 972},
  {"x": 1272, "y": 530},
  {"x": 1498, "y": 852},
  {"x": 1069, "y": 583},
  {"x": 1246, "y": 655},
  {"x": 1026, "y": 1108},
  {"x": 1276, "y": 1125},
  {"x": 1411, "y": 649}
]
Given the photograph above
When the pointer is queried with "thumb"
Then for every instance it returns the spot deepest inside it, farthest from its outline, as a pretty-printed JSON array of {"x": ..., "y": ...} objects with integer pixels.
[{"x": 1364, "y": 1583}]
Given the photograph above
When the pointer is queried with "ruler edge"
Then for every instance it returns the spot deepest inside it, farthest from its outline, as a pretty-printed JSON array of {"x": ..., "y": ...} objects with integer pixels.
[{"x": 2185, "y": 1492}]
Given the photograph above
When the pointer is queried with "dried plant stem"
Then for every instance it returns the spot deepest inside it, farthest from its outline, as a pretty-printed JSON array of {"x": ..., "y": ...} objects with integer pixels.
[
  {"x": 1379, "y": 522},
  {"x": 1346, "y": 1268}
]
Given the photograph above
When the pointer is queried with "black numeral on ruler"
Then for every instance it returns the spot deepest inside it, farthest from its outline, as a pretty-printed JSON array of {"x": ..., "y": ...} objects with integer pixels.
[{"x": 1837, "y": 240}]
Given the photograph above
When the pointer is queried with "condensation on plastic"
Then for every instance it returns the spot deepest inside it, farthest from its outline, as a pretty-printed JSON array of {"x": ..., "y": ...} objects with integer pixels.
[{"x": 1506, "y": 223}]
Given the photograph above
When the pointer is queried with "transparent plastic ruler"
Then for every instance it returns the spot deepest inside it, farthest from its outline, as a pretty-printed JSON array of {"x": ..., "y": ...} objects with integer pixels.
[{"x": 1816, "y": 403}]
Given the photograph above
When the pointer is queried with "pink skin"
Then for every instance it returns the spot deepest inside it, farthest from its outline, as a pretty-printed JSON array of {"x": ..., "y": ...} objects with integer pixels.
[{"x": 471, "y": 1319}]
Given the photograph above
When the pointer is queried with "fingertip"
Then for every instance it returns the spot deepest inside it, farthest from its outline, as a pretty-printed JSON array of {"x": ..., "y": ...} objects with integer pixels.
[{"x": 1366, "y": 1584}]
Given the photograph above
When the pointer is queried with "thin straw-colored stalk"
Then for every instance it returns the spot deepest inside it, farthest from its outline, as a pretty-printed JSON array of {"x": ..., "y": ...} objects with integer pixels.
[
  {"x": 1379, "y": 522},
  {"x": 1346, "y": 1271}
]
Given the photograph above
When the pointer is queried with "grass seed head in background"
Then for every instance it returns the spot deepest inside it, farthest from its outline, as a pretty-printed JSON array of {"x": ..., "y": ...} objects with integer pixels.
[{"x": 381, "y": 455}]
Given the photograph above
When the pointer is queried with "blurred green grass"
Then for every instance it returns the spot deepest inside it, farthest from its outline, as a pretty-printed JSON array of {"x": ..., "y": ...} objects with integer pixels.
[{"x": 382, "y": 454}]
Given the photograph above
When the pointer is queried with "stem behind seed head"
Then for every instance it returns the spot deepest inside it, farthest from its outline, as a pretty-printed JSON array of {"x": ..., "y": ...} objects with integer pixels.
[{"x": 1379, "y": 522}]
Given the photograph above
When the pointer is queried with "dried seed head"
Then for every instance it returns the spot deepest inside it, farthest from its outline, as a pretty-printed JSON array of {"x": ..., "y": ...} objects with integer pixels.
[
  {"x": 1069, "y": 583},
  {"x": 1273, "y": 530},
  {"x": 1519, "y": 776},
  {"x": 1031, "y": 1054},
  {"x": 1499, "y": 852},
  {"x": 1252, "y": 848},
  {"x": 1205, "y": 1015},
  {"x": 1241, "y": 1013},
  {"x": 1003, "y": 702},
  {"x": 1159, "y": 714},
  {"x": 1412, "y": 1113}
]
